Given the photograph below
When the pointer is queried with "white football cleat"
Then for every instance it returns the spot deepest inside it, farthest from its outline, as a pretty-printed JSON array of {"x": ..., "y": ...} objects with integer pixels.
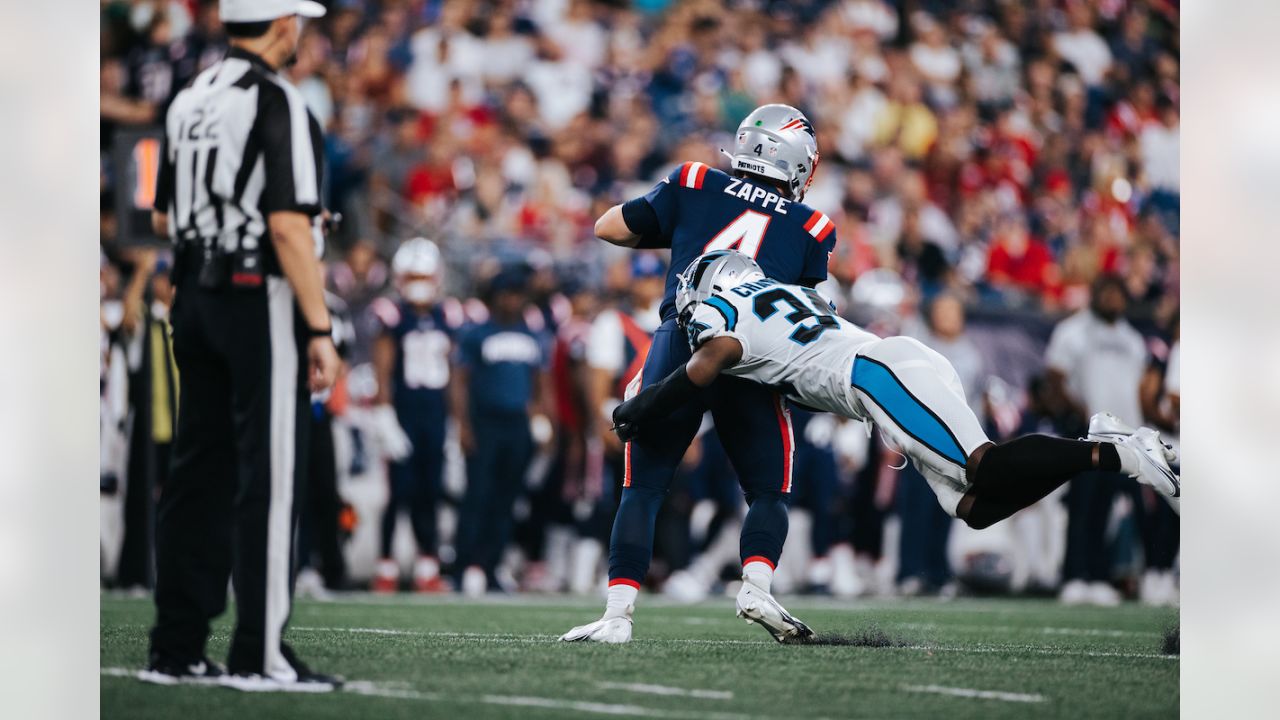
[
  {"x": 1155, "y": 471},
  {"x": 614, "y": 630},
  {"x": 1145, "y": 442},
  {"x": 1074, "y": 592},
  {"x": 755, "y": 605},
  {"x": 1108, "y": 427},
  {"x": 474, "y": 582},
  {"x": 1103, "y": 595}
]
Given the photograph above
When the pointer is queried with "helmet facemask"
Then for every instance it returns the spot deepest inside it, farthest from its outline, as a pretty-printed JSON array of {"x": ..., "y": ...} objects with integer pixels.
[{"x": 713, "y": 272}]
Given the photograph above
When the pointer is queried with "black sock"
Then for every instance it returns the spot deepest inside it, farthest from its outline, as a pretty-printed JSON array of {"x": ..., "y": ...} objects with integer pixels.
[
  {"x": 1108, "y": 457},
  {"x": 1022, "y": 471},
  {"x": 764, "y": 529},
  {"x": 631, "y": 542}
]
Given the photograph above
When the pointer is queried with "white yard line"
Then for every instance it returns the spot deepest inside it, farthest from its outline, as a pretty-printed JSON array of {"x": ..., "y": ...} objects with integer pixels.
[
  {"x": 510, "y": 638},
  {"x": 1099, "y": 632},
  {"x": 600, "y": 708},
  {"x": 1056, "y": 651},
  {"x": 364, "y": 687},
  {"x": 971, "y": 693},
  {"x": 400, "y": 692},
  {"x": 365, "y": 630},
  {"x": 1089, "y": 632},
  {"x": 667, "y": 690}
]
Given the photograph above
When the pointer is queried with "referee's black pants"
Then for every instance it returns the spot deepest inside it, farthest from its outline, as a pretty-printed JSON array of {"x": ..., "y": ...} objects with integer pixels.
[{"x": 228, "y": 508}]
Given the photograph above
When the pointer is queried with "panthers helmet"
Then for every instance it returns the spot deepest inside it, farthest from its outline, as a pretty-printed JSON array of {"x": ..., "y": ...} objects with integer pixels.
[
  {"x": 778, "y": 142},
  {"x": 713, "y": 272}
]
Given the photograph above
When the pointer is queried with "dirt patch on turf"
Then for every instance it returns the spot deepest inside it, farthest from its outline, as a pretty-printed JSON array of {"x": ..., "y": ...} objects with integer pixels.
[
  {"x": 867, "y": 637},
  {"x": 1172, "y": 641}
]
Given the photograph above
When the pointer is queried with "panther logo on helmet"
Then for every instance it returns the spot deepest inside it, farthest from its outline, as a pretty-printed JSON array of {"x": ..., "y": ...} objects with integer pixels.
[{"x": 711, "y": 273}]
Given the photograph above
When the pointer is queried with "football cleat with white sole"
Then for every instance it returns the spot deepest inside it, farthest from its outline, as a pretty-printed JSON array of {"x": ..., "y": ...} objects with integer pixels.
[
  {"x": 755, "y": 605},
  {"x": 1074, "y": 592},
  {"x": 1108, "y": 427},
  {"x": 253, "y": 682},
  {"x": 160, "y": 671},
  {"x": 613, "y": 630},
  {"x": 305, "y": 679},
  {"x": 1154, "y": 453}
]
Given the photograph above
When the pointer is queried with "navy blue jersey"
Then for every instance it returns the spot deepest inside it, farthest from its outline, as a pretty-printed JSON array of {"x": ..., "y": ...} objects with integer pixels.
[
  {"x": 698, "y": 209},
  {"x": 424, "y": 343},
  {"x": 503, "y": 360}
]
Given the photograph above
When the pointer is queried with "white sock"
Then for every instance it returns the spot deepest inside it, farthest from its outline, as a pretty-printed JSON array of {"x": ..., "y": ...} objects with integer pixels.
[
  {"x": 1130, "y": 463},
  {"x": 758, "y": 573},
  {"x": 621, "y": 599}
]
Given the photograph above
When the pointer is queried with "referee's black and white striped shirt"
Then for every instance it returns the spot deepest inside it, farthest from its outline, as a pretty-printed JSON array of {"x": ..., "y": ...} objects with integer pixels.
[{"x": 239, "y": 145}]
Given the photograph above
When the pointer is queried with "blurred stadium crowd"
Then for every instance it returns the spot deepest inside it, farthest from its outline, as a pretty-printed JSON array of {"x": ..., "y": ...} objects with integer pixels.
[{"x": 1004, "y": 177}]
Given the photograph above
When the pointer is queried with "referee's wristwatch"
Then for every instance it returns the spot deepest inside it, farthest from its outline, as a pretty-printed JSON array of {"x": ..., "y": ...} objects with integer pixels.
[{"x": 320, "y": 333}]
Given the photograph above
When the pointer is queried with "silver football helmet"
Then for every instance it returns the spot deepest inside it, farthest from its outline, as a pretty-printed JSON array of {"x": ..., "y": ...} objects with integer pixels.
[
  {"x": 713, "y": 272},
  {"x": 777, "y": 141},
  {"x": 418, "y": 256},
  {"x": 416, "y": 268}
]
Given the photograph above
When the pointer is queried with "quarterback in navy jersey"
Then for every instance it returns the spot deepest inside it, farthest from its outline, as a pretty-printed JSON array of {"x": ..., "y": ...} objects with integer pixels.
[
  {"x": 759, "y": 211},
  {"x": 411, "y": 358},
  {"x": 697, "y": 209}
]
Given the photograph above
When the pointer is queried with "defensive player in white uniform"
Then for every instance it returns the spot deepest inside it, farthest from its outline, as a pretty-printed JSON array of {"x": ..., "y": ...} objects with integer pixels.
[{"x": 788, "y": 337}]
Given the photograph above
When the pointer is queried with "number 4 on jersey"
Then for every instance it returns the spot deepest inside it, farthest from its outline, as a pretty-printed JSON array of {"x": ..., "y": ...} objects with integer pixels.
[{"x": 743, "y": 234}]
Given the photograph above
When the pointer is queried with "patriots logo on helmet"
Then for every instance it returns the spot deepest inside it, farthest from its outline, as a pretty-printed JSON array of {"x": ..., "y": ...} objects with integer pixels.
[{"x": 800, "y": 123}]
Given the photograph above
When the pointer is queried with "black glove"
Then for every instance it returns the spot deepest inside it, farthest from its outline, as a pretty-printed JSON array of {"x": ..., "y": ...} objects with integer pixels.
[
  {"x": 626, "y": 421},
  {"x": 653, "y": 403}
]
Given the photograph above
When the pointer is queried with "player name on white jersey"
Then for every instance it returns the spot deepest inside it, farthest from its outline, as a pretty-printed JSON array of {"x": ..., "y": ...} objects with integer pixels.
[
  {"x": 792, "y": 340},
  {"x": 745, "y": 289},
  {"x": 751, "y": 193}
]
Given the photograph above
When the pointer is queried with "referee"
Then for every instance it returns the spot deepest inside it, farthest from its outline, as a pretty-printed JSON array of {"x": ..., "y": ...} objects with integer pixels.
[{"x": 239, "y": 193}]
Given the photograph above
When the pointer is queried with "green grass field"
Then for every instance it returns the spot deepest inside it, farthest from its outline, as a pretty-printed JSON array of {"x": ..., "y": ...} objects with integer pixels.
[{"x": 444, "y": 657}]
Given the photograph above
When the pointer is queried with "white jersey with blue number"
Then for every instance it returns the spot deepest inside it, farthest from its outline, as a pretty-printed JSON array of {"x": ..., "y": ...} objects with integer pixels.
[{"x": 791, "y": 341}]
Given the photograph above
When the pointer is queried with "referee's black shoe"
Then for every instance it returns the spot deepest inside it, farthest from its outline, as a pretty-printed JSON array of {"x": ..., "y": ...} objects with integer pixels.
[
  {"x": 168, "y": 671},
  {"x": 308, "y": 680},
  {"x": 306, "y": 674}
]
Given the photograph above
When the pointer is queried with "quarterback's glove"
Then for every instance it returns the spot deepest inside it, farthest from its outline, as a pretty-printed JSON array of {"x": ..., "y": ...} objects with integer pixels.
[{"x": 391, "y": 437}]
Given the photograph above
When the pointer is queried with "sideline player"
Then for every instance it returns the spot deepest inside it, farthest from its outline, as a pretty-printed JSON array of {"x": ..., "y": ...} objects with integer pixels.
[
  {"x": 411, "y": 359},
  {"x": 787, "y": 337},
  {"x": 759, "y": 211}
]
